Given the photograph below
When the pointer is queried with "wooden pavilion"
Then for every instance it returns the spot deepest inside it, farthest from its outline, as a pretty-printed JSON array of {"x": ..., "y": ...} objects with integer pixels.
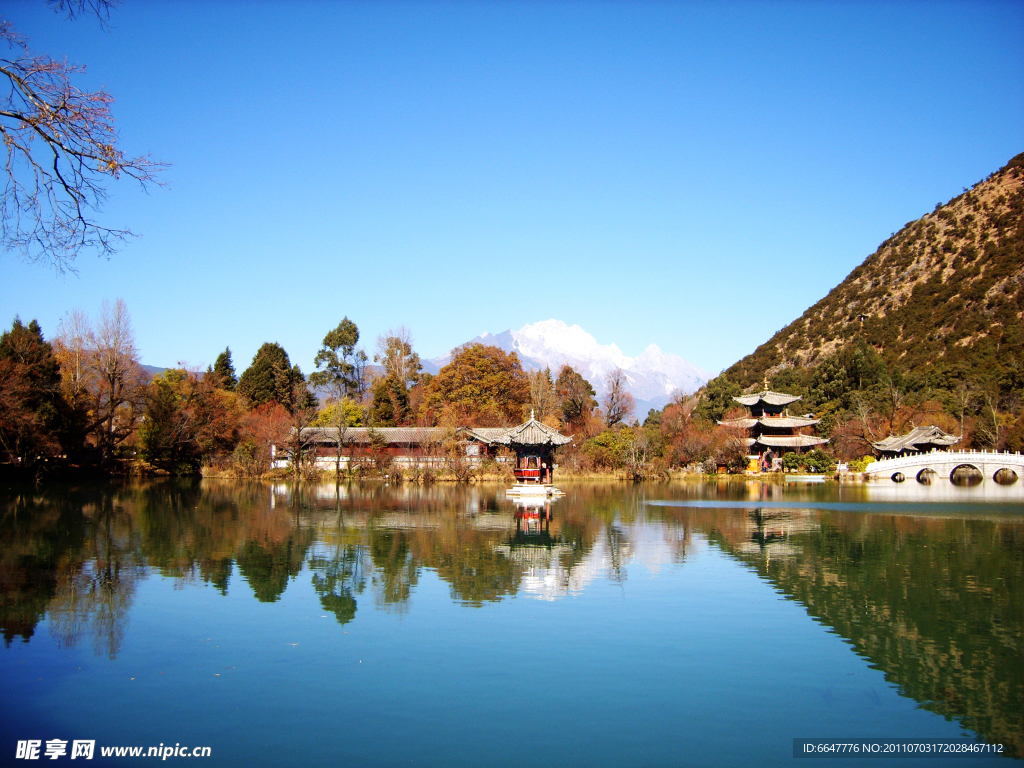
[{"x": 533, "y": 444}]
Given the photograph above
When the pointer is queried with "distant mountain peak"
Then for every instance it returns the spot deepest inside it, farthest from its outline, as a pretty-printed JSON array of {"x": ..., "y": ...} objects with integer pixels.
[{"x": 652, "y": 376}]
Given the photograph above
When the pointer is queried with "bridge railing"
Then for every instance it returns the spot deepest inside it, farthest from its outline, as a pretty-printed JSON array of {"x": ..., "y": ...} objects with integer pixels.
[{"x": 927, "y": 459}]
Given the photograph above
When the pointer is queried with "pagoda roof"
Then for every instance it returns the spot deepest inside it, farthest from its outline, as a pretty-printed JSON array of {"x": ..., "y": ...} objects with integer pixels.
[
  {"x": 744, "y": 423},
  {"x": 789, "y": 441},
  {"x": 776, "y": 422},
  {"x": 915, "y": 439},
  {"x": 532, "y": 432},
  {"x": 767, "y": 397}
]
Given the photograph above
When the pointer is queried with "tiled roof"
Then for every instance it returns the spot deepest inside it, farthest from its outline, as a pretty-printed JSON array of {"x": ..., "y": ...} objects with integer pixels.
[
  {"x": 361, "y": 435},
  {"x": 487, "y": 434},
  {"x": 787, "y": 422},
  {"x": 918, "y": 439},
  {"x": 533, "y": 432},
  {"x": 530, "y": 433},
  {"x": 768, "y": 397},
  {"x": 790, "y": 441},
  {"x": 776, "y": 422},
  {"x": 745, "y": 423}
]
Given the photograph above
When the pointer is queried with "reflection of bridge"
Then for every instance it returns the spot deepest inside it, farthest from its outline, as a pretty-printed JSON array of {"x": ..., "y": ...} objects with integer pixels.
[{"x": 943, "y": 464}]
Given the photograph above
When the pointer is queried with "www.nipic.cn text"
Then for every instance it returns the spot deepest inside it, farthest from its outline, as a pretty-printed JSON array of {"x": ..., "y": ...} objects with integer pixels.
[{"x": 34, "y": 749}]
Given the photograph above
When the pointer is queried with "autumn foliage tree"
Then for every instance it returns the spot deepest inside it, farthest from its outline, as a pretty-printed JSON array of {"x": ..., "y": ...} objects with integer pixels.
[
  {"x": 618, "y": 403},
  {"x": 543, "y": 399},
  {"x": 188, "y": 419},
  {"x": 482, "y": 385},
  {"x": 575, "y": 397}
]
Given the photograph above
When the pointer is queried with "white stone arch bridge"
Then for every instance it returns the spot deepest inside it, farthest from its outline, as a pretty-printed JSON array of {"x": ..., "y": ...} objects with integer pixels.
[{"x": 943, "y": 464}]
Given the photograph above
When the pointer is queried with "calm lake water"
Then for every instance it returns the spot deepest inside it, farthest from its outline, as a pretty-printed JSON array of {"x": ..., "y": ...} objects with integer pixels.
[{"x": 650, "y": 625}]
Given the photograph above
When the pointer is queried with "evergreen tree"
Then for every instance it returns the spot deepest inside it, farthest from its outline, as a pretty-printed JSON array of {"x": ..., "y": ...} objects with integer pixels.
[
  {"x": 390, "y": 403},
  {"x": 31, "y": 406},
  {"x": 270, "y": 377},
  {"x": 301, "y": 397},
  {"x": 224, "y": 369},
  {"x": 338, "y": 363},
  {"x": 575, "y": 396},
  {"x": 717, "y": 399}
]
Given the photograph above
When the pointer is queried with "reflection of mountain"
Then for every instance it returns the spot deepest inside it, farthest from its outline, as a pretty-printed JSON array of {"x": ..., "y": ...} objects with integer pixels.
[{"x": 938, "y": 605}]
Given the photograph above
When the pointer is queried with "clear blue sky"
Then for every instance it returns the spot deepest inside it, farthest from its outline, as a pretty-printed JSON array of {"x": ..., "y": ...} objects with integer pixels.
[{"x": 689, "y": 174}]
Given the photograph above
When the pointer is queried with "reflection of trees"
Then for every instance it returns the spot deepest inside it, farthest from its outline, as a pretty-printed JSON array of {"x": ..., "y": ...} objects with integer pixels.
[
  {"x": 267, "y": 567},
  {"x": 74, "y": 557},
  {"x": 938, "y": 605},
  {"x": 201, "y": 532},
  {"x": 35, "y": 537},
  {"x": 94, "y": 594},
  {"x": 397, "y": 570},
  {"x": 338, "y": 579},
  {"x": 476, "y": 574},
  {"x": 338, "y": 569}
]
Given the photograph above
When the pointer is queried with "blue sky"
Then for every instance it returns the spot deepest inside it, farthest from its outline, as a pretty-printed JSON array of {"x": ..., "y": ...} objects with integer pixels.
[{"x": 693, "y": 175}]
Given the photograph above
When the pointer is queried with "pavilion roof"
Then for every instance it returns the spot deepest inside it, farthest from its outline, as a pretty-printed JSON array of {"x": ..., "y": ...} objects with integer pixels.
[
  {"x": 789, "y": 441},
  {"x": 767, "y": 397},
  {"x": 532, "y": 432},
  {"x": 916, "y": 439},
  {"x": 744, "y": 423},
  {"x": 777, "y": 422}
]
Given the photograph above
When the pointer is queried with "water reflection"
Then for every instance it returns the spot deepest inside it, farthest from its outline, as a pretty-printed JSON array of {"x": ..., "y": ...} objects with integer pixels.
[
  {"x": 933, "y": 595},
  {"x": 936, "y": 603}
]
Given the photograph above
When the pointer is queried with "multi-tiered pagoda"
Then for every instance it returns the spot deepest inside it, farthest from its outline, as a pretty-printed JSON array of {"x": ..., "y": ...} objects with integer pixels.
[{"x": 771, "y": 431}]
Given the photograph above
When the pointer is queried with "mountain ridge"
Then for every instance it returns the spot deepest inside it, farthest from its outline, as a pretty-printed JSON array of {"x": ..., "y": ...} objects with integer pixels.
[
  {"x": 652, "y": 377},
  {"x": 929, "y": 329},
  {"x": 937, "y": 290}
]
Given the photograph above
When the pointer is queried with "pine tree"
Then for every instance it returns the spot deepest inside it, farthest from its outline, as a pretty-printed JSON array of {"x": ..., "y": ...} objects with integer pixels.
[
  {"x": 224, "y": 369},
  {"x": 31, "y": 405},
  {"x": 270, "y": 377}
]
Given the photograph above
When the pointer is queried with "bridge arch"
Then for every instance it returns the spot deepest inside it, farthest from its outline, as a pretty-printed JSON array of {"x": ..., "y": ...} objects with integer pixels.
[
  {"x": 1005, "y": 476},
  {"x": 961, "y": 467},
  {"x": 966, "y": 474},
  {"x": 927, "y": 476}
]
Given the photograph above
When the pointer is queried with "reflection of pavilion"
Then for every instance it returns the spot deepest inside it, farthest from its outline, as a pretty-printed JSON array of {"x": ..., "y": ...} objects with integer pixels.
[
  {"x": 770, "y": 531},
  {"x": 533, "y": 515}
]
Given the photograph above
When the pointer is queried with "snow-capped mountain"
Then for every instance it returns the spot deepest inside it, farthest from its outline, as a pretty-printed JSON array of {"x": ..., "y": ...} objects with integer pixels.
[{"x": 653, "y": 376}]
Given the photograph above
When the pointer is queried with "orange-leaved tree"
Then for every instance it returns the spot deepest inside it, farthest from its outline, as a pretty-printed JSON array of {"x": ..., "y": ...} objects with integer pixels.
[{"x": 482, "y": 386}]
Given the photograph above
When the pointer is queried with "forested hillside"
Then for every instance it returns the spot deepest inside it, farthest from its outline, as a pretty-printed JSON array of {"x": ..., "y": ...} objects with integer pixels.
[{"x": 927, "y": 330}]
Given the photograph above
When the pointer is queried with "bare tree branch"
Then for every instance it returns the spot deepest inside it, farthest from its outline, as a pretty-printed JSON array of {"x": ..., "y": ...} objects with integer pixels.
[
  {"x": 59, "y": 152},
  {"x": 72, "y": 9}
]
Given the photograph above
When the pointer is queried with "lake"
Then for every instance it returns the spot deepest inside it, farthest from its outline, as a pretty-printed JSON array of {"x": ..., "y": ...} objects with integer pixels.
[{"x": 677, "y": 624}]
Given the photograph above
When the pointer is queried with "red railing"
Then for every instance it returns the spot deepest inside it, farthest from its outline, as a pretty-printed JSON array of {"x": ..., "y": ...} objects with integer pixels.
[{"x": 527, "y": 475}]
